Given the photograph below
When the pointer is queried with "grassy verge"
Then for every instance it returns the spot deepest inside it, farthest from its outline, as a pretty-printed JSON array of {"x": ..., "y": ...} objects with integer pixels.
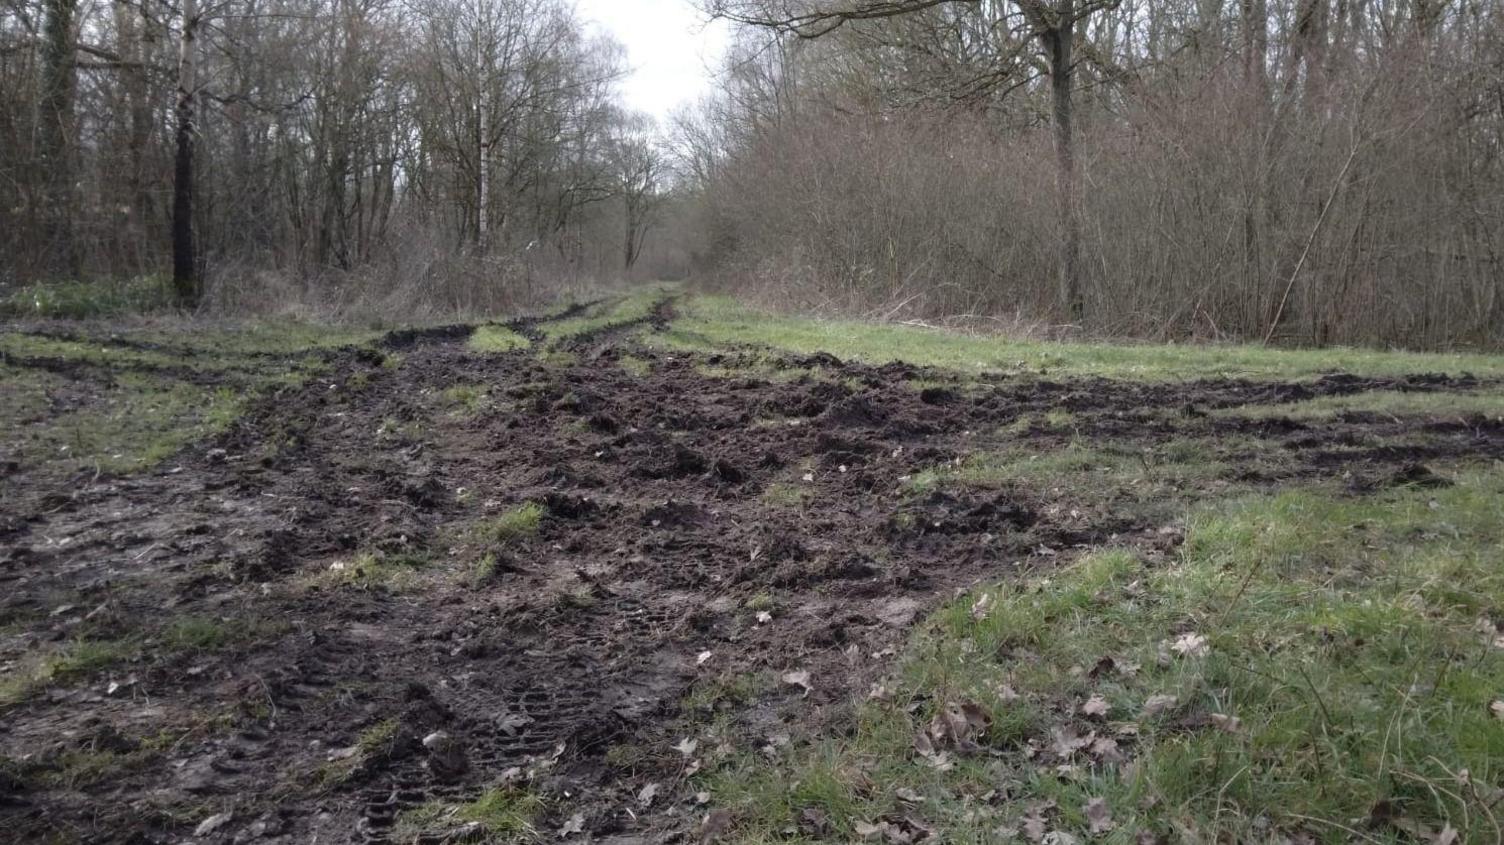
[
  {"x": 614, "y": 311},
  {"x": 125, "y": 401},
  {"x": 710, "y": 322},
  {"x": 1313, "y": 666}
]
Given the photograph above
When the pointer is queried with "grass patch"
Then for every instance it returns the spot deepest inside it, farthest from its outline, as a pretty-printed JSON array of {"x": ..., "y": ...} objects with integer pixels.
[
  {"x": 1313, "y": 664},
  {"x": 615, "y": 311},
  {"x": 515, "y": 525},
  {"x": 125, "y": 402},
  {"x": 1078, "y": 466},
  {"x": 75, "y": 660},
  {"x": 367, "y": 570},
  {"x": 638, "y": 367},
  {"x": 492, "y": 338},
  {"x": 784, "y": 495},
  {"x": 80, "y": 300},
  {"x": 466, "y": 399},
  {"x": 1392, "y": 403},
  {"x": 714, "y": 322},
  {"x": 504, "y": 814}
]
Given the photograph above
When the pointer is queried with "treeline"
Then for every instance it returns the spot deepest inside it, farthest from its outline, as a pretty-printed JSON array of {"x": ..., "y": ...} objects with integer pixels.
[
  {"x": 1317, "y": 171},
  {"x": 443, "y": 153}
]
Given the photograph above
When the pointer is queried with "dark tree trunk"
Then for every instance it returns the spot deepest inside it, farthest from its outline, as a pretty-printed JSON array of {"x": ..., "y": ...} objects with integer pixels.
[
  {"x": 58, "y": 72},
  {"x": 185, "y": 281},
  {"x": 1058, "y": 42}
]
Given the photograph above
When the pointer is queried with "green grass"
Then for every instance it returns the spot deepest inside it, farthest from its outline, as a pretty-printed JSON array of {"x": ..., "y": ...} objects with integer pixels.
[
  {"x": 127, "y": 401},
  {"x": 72, "y": 661},
  {"x": 519, "y": 523},
  {"x": 504, "y": 814},
  {"x": 466, "y": 399},
  {"x": 80, "y": 300},
  {"x": 1392, "y": 403},
  {"x": 377, "y": 569},
  {"x": 712, "y": 322},
  {"x": 492, "y": 338},
  {"x": 1089, "y": 470},
  {"x": 1350, "y": 664},
  {"x": 614, "y": 311}
]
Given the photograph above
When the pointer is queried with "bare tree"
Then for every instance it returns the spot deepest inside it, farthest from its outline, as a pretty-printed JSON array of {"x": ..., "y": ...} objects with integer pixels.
[{"x": 1055, "y": 27}]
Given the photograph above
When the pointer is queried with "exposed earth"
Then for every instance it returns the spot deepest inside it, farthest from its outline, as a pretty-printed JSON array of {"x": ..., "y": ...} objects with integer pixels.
[{"x": 557, "y": 568}]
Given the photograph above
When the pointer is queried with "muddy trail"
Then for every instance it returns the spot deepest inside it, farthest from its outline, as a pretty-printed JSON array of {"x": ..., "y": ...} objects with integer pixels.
[{"x": 404, "y": 584}]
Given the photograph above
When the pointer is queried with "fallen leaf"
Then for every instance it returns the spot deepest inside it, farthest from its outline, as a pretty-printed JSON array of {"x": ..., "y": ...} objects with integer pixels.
[
  {"x": 1158, "y": 704},
  {"x": 799, "y": 678},
  {"x": 1034, "y": 828},
  {"x": 1099, "y": 816},
  {"x": 903, "y": 793},
  {"x": 1095, "y": 706},
  {"x": 870, "y": 831},
  {"x": 1497, "y": 708},
  {"x": 211, "y": 824},
  {"x": 764, "y": 617},
  {"x": 686, "y": 746},
  {"x": 959, "y": 724},
  {"x": 702, "y": 657},
  {"x": 647, "y": 794},
  {"x": 1191, "y": 645},
  {"x": 576, "y": 824},
  {"x": 1224, "y": 722},
  {"x": 981, "y": 606},
  {"x": 702, "y": 797},
  {"x": 1106, "y": 749},
  {"x": 814, "y": 820},
  {"x": 1065, "y": 742},
  {"x": 714, "y": 824}
]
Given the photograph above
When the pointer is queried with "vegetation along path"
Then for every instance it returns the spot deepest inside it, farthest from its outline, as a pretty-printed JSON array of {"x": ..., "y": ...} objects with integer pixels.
[{"x": 660, "y": 568}]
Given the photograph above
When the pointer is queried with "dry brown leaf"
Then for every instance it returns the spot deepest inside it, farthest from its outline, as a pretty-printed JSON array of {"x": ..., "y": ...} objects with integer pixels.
[
  {"x": 798, "y": 678},
  {"x": 1191, "y": 645},
  {"x": 1230, "y": 724},
  {"x": 1106, "y": 749},
  {"x": 714, "y": 824},
  {"x": 1034, "y": 828},
  {"x": 1099, "y": 816},
  {"x": 1095, "y": 706},
  {"x": 1497, "y": 708},
  {"x": 576, "y": 824},
  {"x": 1157, "y": 704},
  {"x": 646, "y": 795},
  {"x": 981, "y": 606}
]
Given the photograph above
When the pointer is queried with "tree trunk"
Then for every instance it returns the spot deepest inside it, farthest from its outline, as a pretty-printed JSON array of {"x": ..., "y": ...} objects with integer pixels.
[
  {"x": 58, "y": 82},
  {"x": 185, "y": 281},
  {"x": 483, "y": 176},
  {"x": 1058, "y": 42}
]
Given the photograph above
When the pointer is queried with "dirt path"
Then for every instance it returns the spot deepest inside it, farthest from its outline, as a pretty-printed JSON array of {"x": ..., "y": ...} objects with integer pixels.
[{"x": 701, "y": 537}]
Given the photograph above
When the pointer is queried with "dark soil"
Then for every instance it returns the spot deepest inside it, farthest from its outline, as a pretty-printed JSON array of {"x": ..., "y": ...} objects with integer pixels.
[{"x": 566, "y": 666}]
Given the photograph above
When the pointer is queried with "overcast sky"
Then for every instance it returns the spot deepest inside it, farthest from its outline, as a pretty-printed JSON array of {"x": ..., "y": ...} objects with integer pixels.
[{"x": 671, "y": 50}]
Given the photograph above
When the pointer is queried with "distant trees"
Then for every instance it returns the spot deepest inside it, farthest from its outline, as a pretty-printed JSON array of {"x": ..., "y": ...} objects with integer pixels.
[
  {"x": 430, "y": 144},
  {"x": 1304, "y": 170}
]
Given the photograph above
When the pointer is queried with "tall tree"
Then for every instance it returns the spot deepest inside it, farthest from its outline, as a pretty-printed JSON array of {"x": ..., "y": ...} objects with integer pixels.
[
  {"x": 185, "y": 276},
  {"x": 57, "y": 144},
  {"x": 1052, "y": 23}
]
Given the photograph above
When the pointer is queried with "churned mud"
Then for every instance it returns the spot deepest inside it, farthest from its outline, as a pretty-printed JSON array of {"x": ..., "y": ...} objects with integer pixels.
[{"x": 252, "y": 641}]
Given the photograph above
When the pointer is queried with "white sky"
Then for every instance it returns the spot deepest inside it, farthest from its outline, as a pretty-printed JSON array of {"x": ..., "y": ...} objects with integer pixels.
[{"x": 672, "y": 52}]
